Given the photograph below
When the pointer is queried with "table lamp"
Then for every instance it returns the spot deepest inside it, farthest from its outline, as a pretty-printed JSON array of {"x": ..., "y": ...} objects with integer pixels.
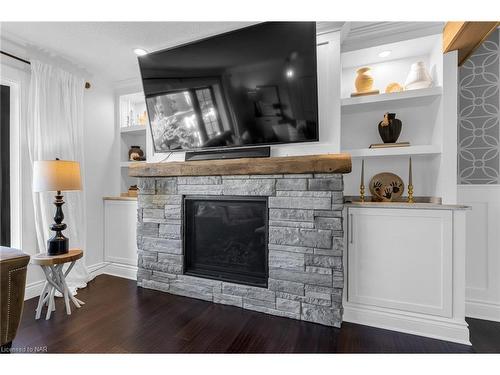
[{"x": 57, "y": 175}]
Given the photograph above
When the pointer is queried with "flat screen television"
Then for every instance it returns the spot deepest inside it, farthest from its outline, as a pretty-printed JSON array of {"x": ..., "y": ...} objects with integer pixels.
[{"x": 249, "y": 87}]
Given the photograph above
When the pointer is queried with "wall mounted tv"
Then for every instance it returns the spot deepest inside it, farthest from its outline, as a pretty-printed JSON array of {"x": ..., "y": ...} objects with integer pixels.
[{"x": 253, "y": 86}]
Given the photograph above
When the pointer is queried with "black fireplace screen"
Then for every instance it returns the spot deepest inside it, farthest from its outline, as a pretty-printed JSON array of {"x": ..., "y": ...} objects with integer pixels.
[{"x": 225, "y": 238}]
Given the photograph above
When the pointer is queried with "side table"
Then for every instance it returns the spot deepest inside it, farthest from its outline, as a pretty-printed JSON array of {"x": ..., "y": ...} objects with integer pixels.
[{"x": 52, "y": 266}]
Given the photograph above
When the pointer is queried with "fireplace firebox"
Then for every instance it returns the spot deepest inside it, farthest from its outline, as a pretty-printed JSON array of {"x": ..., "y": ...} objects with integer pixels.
[{"x": 225, "y": 238}]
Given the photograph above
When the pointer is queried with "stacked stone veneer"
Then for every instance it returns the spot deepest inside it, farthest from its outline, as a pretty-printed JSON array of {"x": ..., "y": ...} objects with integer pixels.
[{"x": 305, "y": 243}]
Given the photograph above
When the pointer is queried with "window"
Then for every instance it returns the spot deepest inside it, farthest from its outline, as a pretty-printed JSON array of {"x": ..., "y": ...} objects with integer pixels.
[
  {"x": 4, "y": 165},
  {"x": 208, "y": 111}
]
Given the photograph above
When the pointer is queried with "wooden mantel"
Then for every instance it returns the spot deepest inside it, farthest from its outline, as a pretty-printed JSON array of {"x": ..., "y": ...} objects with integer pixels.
[
  {"x": 466, "y": 37},
  {"x": 327, "y": 163}
]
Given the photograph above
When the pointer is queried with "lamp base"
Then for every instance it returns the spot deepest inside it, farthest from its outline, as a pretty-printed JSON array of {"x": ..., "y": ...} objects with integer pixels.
[{"x": 58, "y": 245}]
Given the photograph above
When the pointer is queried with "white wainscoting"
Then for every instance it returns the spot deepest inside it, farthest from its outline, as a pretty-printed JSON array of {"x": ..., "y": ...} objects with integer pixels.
[{"x": 483, "y": 250}]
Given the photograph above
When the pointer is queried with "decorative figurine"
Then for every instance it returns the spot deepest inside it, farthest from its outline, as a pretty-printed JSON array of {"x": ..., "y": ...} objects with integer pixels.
[
  {"x": 364, "y": 83},
  {"x": 135, "y": 153},
  {"x": 418, "y": 77},
  {"x": 390, "y": 128},
  {"x": 386, "y": 187},
  {"x": 393, "y": 87}
]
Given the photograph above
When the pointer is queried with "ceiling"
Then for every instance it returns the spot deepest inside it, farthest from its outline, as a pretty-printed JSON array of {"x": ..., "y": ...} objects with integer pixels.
[{"x": 105, "y": 49}]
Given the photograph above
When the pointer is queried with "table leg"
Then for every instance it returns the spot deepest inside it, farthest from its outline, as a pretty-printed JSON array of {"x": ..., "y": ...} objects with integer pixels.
[
  {"x": 65, "y": 288},
  {"x": 51, "y": 303},
  {"x": 56, "y": 282},
  {"x": 41, "y": 301}
]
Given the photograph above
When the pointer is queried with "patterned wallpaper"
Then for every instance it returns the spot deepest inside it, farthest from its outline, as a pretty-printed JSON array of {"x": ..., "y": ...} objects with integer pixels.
[{"x": 478, "y": 116}]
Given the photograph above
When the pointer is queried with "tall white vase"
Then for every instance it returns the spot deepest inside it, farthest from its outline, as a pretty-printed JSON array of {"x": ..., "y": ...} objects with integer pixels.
[{"x": 418, "y": 78}]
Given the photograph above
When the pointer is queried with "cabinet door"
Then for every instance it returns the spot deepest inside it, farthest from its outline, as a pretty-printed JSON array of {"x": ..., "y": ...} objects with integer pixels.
[
  {"x": 120, "y": 229},
  {"x": 401, "y": 259}
]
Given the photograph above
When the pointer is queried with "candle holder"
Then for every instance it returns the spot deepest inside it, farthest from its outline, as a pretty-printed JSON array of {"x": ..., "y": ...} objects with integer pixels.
[
  {"x": 361, "y": 193},
  {"x": 362, "y": 183},
  {"x": 410, "y": 194},
  {"x": 410, "y": 183}
]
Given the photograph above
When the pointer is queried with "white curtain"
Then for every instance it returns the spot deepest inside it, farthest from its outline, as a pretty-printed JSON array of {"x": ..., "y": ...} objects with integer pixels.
[{"x": 55, "y": 130}]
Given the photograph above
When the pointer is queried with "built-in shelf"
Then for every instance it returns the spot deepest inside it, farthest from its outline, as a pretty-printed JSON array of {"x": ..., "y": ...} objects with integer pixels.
[
  {"x": 394, "y": 151},
  {"x": 134, "y": 129},
  {"x": 126, "y": 164},
  {"x": 411, "y": 97}
]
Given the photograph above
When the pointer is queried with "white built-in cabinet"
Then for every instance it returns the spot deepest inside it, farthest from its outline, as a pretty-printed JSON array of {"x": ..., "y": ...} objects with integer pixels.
[
  {"x": 405, "y": 269},
  {"x": 120, "y": 231}
]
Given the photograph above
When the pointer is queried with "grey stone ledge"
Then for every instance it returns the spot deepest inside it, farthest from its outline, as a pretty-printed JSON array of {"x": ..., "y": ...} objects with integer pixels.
[
  {"x": 288, "y": 305},
  {"x": 166, "y": 185},
  {"x": 286, "y": 286},
  {"x": 301, "y": 277},
  {"x": 290, "y": 214},
  {"x": 248, "y": 187},
  {"x": 330, "y": 184},
  {"x": 300, "y": 175},
  {"x": 286, "y": 259},
  {"x": 293, "y": 249},
  {"x": 292, "y": 224},
  {"x": 292, "y": 184},
  {"x": 200, "y": 189},
  {"x": 226, "y": 299},
  {"x": 300, "y": 237},
  {"x": 308, "y": 203},
  {"x": 199, "y": 180}
]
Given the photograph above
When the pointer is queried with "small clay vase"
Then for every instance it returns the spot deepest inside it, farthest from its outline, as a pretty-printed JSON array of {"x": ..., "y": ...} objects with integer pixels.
[
  {"x": 135, "y": 153},
  {"x": 390, "y": 128},
  {"x": 364, "y": 81}
]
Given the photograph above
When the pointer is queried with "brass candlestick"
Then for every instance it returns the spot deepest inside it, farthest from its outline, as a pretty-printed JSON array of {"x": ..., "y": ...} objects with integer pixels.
[
  {"x": 362, "y": 183},
  {"x": 410, "y": 184}
]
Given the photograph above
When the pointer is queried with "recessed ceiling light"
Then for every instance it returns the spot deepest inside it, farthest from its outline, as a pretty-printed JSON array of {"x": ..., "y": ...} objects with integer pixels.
[
  {"x": 384, "y": 53},
  {"x": 140, "y": 52}
]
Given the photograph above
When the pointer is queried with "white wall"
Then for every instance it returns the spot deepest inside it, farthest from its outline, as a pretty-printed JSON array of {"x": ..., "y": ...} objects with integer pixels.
[{"x": 101, "y": 150}]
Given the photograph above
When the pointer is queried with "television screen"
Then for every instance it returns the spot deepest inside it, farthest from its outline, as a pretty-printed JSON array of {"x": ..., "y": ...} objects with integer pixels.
[{"x": 252, "y": 86}]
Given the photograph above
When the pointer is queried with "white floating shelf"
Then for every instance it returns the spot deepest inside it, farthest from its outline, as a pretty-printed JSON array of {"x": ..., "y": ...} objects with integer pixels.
[
  {"x": 410, "y": 97},
  {"x": 126, "y": 164},
  {"x": 134, "y": 129},
  {"x": 394, "y": 151}
]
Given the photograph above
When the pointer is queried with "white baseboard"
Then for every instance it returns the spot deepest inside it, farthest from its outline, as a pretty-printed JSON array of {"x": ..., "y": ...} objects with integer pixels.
[
  {"x": 482, "y": 310},
  {"x": 105, "y": 268},
  {"x": 33, "y": 289},
  {"x": 436, "y": 329},
  {"x": 115, "y": 269}
]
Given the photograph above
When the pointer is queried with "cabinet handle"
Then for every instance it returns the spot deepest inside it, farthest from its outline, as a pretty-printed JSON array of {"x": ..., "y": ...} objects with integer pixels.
[{"x": 350, "y": 228}]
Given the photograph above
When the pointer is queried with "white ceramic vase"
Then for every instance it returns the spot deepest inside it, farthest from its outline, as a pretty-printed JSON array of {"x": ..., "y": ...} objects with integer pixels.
[{"x": 418, "y": 78}]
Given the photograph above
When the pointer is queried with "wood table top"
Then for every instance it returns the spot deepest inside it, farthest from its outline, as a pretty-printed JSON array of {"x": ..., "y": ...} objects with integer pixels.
[{"x": 44, "y": 259}]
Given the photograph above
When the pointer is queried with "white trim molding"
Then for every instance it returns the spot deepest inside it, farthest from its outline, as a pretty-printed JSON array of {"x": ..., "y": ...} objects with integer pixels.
[
  {"x": 482, "y": 250},
  {"x": 441, "y": 329},
  {"x": 114, "y": 269}
]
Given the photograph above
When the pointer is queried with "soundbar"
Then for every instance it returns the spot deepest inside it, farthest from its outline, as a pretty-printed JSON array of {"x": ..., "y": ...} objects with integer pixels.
[{"x": 237, "y": 153}]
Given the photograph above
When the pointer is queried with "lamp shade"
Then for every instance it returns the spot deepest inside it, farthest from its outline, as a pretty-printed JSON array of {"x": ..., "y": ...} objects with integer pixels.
[{"x": 56, "y": 175}]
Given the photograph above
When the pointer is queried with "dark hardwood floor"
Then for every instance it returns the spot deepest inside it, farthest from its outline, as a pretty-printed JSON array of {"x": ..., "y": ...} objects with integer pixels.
[{"x": 120, "y": 318}]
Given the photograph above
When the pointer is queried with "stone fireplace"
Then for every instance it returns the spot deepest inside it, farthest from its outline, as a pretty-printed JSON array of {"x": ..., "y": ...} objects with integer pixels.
[{"x": 270, "y": 243}]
